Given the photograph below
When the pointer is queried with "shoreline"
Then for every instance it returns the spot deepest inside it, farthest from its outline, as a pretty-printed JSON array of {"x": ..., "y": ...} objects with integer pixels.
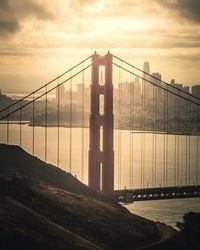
[{"x": 79, "y": 126}]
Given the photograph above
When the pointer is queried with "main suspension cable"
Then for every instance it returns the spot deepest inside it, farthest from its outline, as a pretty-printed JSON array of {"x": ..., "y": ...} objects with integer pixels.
[
  {"x": 58, "y": 125},
  {"x": 47, "y": 92},
  {"x": 46, "y": 125},
  {"x": 70, "y": 125},
  {"x": 33, "y": 125},
  {"x": 165, "y": 83},
  {"x": 45, "y": 85},
  {"x": 159, "y": 86}
]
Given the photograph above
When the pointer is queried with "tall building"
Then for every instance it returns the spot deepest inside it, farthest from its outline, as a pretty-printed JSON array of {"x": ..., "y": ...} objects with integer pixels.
[
  {"x": 158, "y": 76},
  {"x": 60, "y": 93},
  {"x": 180, "y": 86},
  {"x": 186, "y": 88},
  {"x": 196, "y": 90},
  {"x": 146, "y": 69},
  {"x": 177, "y": 85}
]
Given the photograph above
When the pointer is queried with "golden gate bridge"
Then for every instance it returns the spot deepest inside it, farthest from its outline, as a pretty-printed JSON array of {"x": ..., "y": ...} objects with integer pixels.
[{"x": 172, "y": 112}]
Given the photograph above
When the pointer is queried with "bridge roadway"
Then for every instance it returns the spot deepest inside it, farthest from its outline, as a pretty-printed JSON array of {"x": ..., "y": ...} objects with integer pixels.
[{"x": 158, "y": 193}]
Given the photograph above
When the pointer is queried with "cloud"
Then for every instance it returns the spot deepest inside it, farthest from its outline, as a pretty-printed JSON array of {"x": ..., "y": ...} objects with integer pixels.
[
  {"x": 84, "y": 2},
  {"x": 188, "y": 9},
  {"x": 13, "y": 12}
]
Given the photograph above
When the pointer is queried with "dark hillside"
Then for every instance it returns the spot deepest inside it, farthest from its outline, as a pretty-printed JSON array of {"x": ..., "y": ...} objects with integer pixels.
[
  {"x": 22, "y": 228},
  {"x": 48, "y": 208},
  {"x": 86, "y": 217},
  {"x": 15, "y": 159}
]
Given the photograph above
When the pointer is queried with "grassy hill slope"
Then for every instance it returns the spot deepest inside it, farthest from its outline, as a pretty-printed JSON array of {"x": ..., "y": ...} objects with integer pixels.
[{"x": 51, "y": 209}]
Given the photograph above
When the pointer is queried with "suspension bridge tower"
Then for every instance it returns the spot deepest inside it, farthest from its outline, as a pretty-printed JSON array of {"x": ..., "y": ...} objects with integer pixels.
[{"x": 101, "y": 161}]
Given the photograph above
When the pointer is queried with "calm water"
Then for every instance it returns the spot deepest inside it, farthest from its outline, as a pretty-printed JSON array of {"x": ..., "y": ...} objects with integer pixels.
[
  {"x": 167, "y": 155},
  {"x": 166, "y": 211}
]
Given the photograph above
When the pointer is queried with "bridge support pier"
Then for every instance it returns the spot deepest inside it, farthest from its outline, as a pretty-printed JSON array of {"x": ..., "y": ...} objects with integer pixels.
[{"x": 101, "y": 163}]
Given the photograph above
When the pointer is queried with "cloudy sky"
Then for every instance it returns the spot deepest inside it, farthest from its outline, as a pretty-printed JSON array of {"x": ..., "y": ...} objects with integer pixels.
[{"x": 41, "y": 38}]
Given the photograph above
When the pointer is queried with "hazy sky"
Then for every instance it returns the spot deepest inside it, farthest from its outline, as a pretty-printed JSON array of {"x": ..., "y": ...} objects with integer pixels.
[{"x": 41, "y": 38}]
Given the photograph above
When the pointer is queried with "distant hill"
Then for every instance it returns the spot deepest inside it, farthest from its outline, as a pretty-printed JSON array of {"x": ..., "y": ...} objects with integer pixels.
[{"x": 44, "y": 207}]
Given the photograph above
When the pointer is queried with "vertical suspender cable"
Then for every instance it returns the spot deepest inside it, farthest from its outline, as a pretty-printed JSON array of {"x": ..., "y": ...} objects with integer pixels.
[
  {"x": 131, "y": 89},
  {"x": 189, "y": 140},
  {"x": 120, "y": 151},
  {"x": 164, "y": 146},
  {"x": 45, "y": 127},
  {"x": 20, "y": 124},
  {"x": 33, "y": 124},
  {"x": 58, "y": 124},
  {"x": 143, "y": 138},
  {"x": 155, "y": 144},
  {"x": 175, "y": 141},
  {"x": 142, "y": 128},
  {"x": 132, "y": 134},
  {"x": 7, "y": 126},
  {"x": 153, "y": 141},
  {"x": 119, "y": 126},
  {"x": 197, "y": 136},
  {"x": 178, "y": 138},
  {"x": 186, "y": 147},
  {"x": 83, "y": 122},
  {"x": 166, "y": 182},
  {"x": 130, "y": 146},
  {"x": 130, "y": 131},
  {"x": 142, "y": 135},
  {"x": 70, "y": 126}
]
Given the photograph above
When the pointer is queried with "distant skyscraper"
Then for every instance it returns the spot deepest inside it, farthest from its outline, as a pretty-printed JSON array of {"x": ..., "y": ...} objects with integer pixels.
[
  {"x": 158, "y": 76},
  {"x": 61, "y": 95},
  {"x": 146, "y": 69},
  {"x": 186, "y": 88},
  {"x": 176, "y": 85},
  {"x": 172, "y": 81},
  {"x": 180, "y": 86},
  {"x": 196, "y": 90}
]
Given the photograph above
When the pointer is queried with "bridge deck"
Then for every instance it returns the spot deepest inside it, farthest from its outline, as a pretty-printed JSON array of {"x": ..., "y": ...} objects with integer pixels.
[{"x": 158, "y": 193}]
